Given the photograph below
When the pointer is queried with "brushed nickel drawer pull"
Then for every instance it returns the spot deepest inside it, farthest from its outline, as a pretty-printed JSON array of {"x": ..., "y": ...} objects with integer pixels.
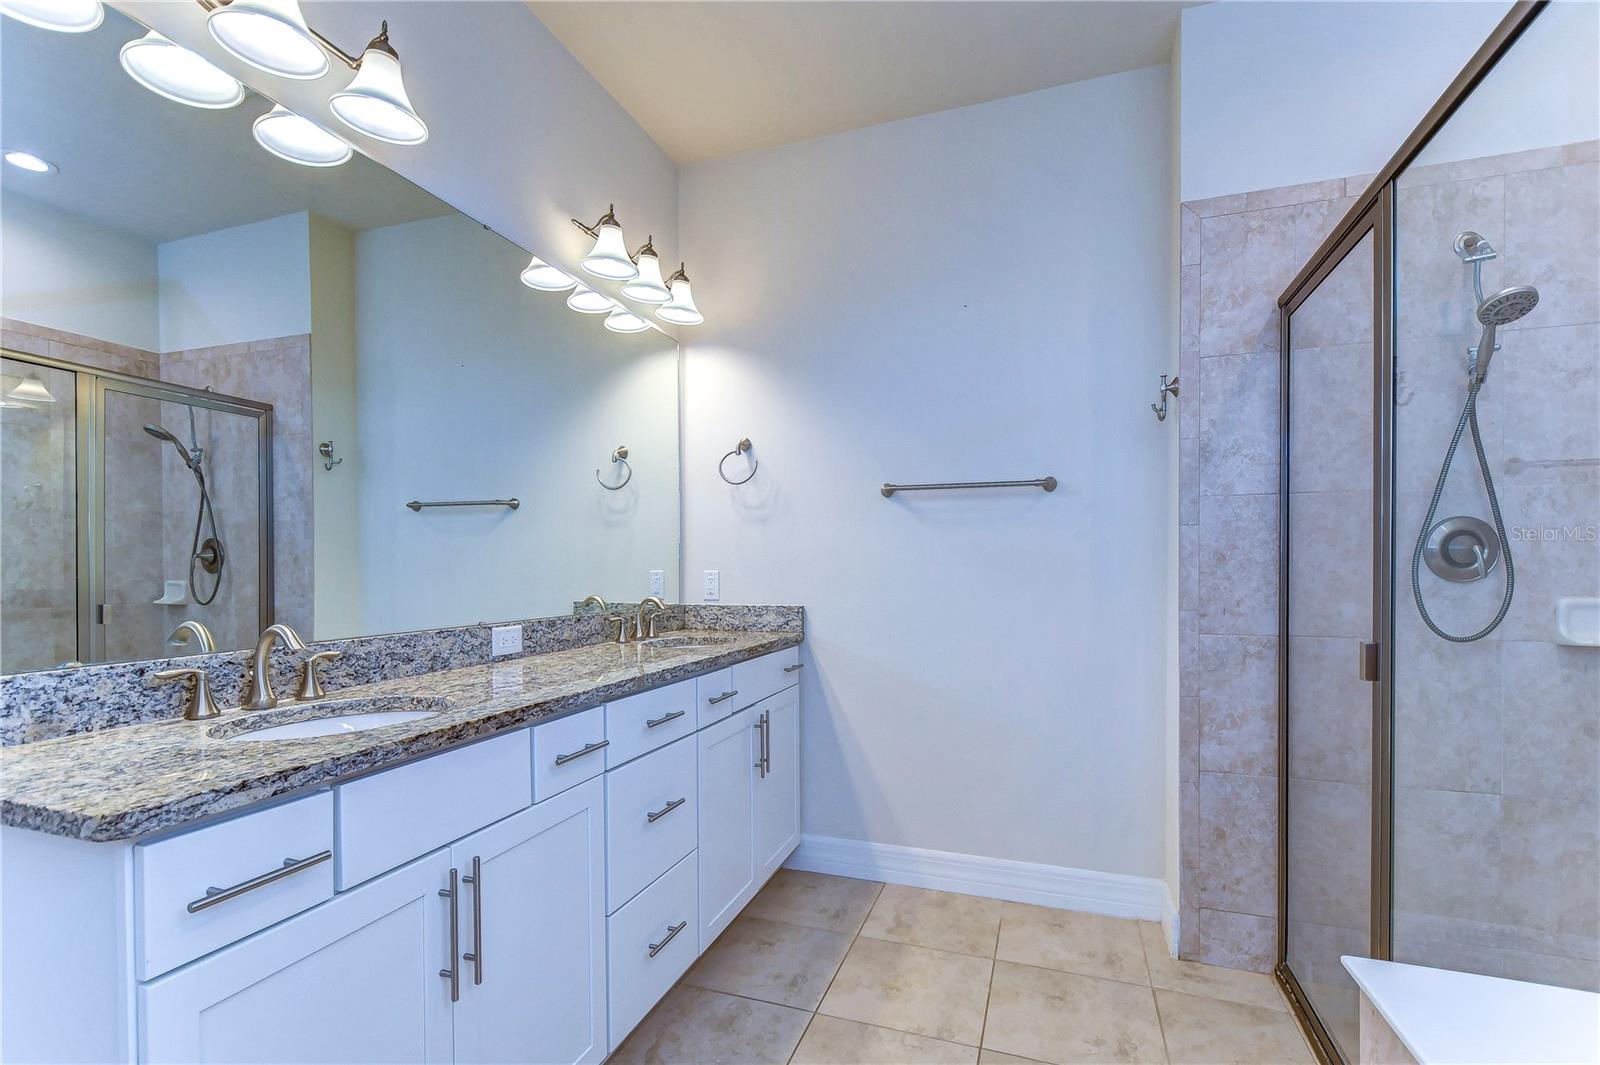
[
  {"x": 655, "y": 815},
  {"x": 475, "y": 956},
  {"x": 453, "y": 974},
  {"x": 588, "y": 748},
  {"x": 791, "y": 669},
  {"x": 672, "y": 931},
  {"x": 216, "y": 896},
  {"x": 715, "y": 699},
  {"x": 664, "y": 718}
]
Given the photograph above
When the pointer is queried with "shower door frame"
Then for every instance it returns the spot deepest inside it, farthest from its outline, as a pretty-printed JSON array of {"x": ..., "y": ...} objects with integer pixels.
[
  {"x": 89, "y": 397},
  {"x": 1374, "y": 213}
]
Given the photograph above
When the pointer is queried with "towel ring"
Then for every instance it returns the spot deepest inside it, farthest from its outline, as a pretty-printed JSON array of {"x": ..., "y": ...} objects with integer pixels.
[
  {"x": 619, "y": 455},
  {"x": 739, "y": 449}
]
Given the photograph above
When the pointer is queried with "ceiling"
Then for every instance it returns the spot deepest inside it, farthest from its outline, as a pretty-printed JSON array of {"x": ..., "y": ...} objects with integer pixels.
[
  {"x": 707, "y": 78},
  {"x": 140, "y": 165}
]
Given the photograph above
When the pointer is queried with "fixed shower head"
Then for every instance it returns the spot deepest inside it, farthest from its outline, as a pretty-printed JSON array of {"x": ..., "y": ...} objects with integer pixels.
[
  {"x": 1502, "y": 308},
  {"x": 161, "y": 432}
]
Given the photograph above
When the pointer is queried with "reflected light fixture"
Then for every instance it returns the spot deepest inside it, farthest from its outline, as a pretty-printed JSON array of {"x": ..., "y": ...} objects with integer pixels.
[
  {"x": 299, "y": 140},
  {"x": 609, "y": 258},
  {"x": 586, "y": 300},
  {"x": 622, "y": 320},
  {"x": 172, "y": 71},
  {"x": 31, "y": 390},
  {"x": 64, "y": 16},
  {"x": 375, "y": 101},
  {"x": 270, "y": 35},
  {"x": 681, "y": 310},
  {"x": 648, "y": 286},
  {"x": 546, "y": 278},
  {"x": 29, "y": 162}
]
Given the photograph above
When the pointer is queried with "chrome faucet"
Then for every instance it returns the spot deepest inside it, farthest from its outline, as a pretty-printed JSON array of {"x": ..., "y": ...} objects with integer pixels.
[
  {"x": 639, "y": 616},
  {"x": 260, "y": 696},
  {"x": 180, "y": 636}
]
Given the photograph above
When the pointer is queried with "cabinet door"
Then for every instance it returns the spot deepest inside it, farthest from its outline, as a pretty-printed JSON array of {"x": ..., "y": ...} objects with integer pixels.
[
  {"x": 777, "y": 787},
  {"x": 726, "y": 846},
  {"x": 353, "y": 980},
  {"x": 532, "y": 917}
]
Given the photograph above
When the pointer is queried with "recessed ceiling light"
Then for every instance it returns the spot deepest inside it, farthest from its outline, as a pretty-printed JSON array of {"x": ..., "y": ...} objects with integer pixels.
[
  {"x": 178, "y": 74},
  {"x": 65, "y": 16},
  {"x": 30, "y": 162}
]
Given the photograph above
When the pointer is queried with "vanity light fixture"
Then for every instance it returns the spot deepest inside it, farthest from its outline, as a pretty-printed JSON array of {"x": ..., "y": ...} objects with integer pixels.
[
  {"x": 375, "y": 101},
  {"x": 609, "y": 258},
  {"x": 63, "y": 16},
  {"x": 546, "y": 278},
  {"x": 586, "y": 300},
  {"x": 298, "y": 140},
  {"x": 622, "y": 320},
  {"x": 172, "y": 71},
  {"x": 29, "y": 162},
  {"x": 648, "y": 286},
  {"x": 681, "y": 310},
  {"x": 270, "y": 35},
  {"x": 30, "y": 390}
]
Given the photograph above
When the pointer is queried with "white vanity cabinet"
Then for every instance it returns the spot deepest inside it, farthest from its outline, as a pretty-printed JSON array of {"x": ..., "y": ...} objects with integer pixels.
[{"x": 776, "y": 789}]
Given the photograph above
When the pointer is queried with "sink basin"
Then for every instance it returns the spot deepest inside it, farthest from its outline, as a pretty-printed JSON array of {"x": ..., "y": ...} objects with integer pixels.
[
  {"x": 676, "y": 643},
  {"x": 329, "y": 719}
]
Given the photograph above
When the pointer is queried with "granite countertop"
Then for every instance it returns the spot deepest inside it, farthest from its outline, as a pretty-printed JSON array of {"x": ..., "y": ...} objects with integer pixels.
[{"x": 122, "y": 783}]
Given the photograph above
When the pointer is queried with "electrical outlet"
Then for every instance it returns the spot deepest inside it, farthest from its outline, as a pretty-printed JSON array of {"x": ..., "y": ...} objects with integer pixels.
[
  {"x": 713, "y": 586},
  {"x": 658, "y": 582},
  {"x": 505, "y": 640}
]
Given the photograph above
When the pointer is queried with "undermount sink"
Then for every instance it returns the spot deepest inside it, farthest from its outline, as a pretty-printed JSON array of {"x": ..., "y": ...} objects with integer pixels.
[
  {"x": 312, "y": 720},
  {"x": 675, "y": 643}
]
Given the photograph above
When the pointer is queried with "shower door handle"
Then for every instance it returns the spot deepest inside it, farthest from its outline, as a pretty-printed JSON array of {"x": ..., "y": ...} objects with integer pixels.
[{"x": 1369, "y": 662}]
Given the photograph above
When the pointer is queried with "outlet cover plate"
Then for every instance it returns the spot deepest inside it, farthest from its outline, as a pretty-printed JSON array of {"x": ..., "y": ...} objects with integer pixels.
[
  {"x": 713, "y": 586},
  {"x": 505, "y": 640},
  {"x": 658, "y": 582}
]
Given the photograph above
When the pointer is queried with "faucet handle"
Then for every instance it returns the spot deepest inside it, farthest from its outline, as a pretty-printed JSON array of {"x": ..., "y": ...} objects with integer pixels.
[
  {"x": 622, "y": 627},
  {"x": 310, "y": 684},
  {"x": 200, "y": 705}
]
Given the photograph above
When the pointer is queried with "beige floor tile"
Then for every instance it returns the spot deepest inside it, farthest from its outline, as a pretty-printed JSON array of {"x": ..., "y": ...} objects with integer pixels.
[
  {"x": 1209, "y": 1031},
  {"x": 834, "y": 903},
  {"x": 1212, "y": 981},
  {"x": 913, "y": 989},
  {"x": 965, "y": 924},
  {"x": 692, "y": 1026},
  {"x": 771, "y": 961},
  {"x": 835, "y": 1041},
  {"x": 1068, "y": 1018},
  {"x": 1084, "y": 943},
  {"x": 994, "y": 1057}
]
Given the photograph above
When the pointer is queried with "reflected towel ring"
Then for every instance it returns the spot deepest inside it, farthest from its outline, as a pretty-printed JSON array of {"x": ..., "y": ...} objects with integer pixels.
[
  {"x": 619, "y": 455},
  {"x": 739, "y": 449}
]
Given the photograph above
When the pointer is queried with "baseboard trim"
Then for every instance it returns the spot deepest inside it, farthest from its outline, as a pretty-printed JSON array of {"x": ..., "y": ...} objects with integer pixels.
[{"x": 1112, "y": 894}]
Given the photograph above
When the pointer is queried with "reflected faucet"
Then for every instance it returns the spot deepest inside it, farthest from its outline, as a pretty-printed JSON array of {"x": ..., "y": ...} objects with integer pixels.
[
  {"x": 260, "y": 696},
  {"x": 180, "y": 636}
]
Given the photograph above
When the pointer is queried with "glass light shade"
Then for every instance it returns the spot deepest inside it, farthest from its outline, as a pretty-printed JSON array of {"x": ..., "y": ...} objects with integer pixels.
[
  {"x": 586, "y": 300},
  {"x": 299, "y": 140},
  {"x": 271, "y": 35},
  {"x": 29, "y": 162},
  {"x": 648, "y": 286},
  {"x": 546, "y": 278},
  {"x": 31, "y": 390},
  {"x": 681, "y": 310},
  {"x": 173, "y": 71},
  {"x": 622, "y": 320},
  {"x": 609, "y": 259},
  {"x": 65, "y": 16},
  {"x": 375, "y": 102}
]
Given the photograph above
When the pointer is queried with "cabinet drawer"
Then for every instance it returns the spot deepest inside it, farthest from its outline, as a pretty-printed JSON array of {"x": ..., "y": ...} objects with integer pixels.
[
  {"x": 650, "y": 942},
  {"x": 768, "y": 675},
  {"x": 652, "y": 808},
  {"x": 568, "y": 751},
  {"x": 179, "y": 916},
  {"x": 391, "y": 817},
  {"x": 641, "y": 723},
  {"x": 715, "y": 697}
]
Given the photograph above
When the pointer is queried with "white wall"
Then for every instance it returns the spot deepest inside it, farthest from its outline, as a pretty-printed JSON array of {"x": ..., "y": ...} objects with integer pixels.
[
  {"x": 336, "y": 515},
  {"x": 978, "y": 293},
  {"x": 58, "y": 270},
  {"x": 243, "y": 283}
]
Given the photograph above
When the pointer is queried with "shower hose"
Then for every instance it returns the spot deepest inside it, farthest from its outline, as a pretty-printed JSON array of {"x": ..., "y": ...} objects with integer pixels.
[
  {"x": 1469, "y": 417},
  {"x": 201, "y": 513}
]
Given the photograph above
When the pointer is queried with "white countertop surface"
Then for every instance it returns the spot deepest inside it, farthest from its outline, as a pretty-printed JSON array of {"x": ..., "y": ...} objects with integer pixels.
[{"x": 1457, "y": 1018}]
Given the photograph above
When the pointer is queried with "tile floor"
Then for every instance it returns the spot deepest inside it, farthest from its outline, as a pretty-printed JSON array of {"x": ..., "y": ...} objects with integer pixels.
[{"x": 824, "y": 970}]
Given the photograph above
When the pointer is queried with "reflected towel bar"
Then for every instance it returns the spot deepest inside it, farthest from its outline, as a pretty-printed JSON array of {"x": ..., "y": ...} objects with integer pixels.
[
  {"x": 1047, "y": 483},
  {"x": 513, "y": 503}
]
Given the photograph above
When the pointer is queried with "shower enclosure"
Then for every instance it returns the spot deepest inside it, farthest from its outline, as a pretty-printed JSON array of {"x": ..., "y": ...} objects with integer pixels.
[
  {"x": 132, "y": 505},
  {"x": 1439, "y": 681}
]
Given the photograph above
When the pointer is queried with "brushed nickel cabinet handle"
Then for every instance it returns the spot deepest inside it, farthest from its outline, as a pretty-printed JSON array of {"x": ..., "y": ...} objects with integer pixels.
[
  {"x": 761, "y": 743},
  {"x": 766, "y": 742},
  {"x": 588, "y": 748},
  {"x": 664, "y": 718},
  {"x": 715, "y": 699},
  {"x": 216, "y": 896},
  {"x": 791, "y": 669},
  {"x": 453, "y": 974},
  {"x": 655, "y": 815},
  {"x": 475, "y": 956},
  {"x": 672, "y": 932}
]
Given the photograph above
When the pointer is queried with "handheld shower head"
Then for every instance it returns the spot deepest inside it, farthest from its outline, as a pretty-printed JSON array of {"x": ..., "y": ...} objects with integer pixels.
[
  {"x": 161, "y": 432},
  {"x": 1502, "y": 308}
]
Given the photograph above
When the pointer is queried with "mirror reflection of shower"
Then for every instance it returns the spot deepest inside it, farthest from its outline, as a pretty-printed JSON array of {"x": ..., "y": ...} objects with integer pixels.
[
  {"x": 1463, "y": 549},
  {"x": 207, "y": 555}
]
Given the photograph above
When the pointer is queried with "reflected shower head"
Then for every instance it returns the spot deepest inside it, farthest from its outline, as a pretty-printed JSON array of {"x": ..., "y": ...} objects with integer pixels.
[
  {"x": 1502, "y": 308},
  {"x": 161, "y": 432}
]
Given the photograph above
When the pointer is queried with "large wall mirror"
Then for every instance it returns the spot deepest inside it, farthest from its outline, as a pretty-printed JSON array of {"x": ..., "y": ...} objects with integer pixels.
[{"x": 190, "y": 323}]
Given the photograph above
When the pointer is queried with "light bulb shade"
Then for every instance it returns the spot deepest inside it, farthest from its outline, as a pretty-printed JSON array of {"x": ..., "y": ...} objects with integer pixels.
[
  {"x": 64, "y": 16},
  {"x": 586, "y": 300},
  {"x": 546, "y": 278},
  {"x": 375, "y": 102},
  {"x": 173, "y": 71},
  {"x": 622, "y": 320},
  {"x": 299, "y": 140},
  {"x": 271, "y": 35},
  {"x": 609, "y": 259},
  {"x": 31, "y": 390},
  {"x": 681, "y": 309},
  {"x": 648, "y": 286}
]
